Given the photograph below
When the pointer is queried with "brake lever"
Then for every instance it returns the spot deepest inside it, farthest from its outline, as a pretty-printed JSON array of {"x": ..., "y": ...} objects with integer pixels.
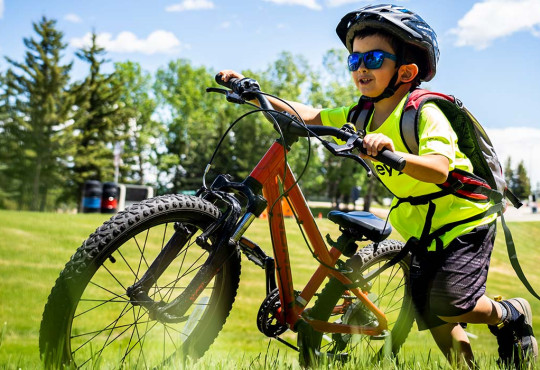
[
  {"x": 231, "y": 96},
  {"x": 344, "y": 151},
  {"x": 357, "y": 159},
  {"x": 216, "y": 90}
]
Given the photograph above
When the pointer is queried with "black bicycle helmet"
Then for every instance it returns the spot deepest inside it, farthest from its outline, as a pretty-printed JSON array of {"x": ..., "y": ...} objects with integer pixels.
[{"x": 398, "y": 21}]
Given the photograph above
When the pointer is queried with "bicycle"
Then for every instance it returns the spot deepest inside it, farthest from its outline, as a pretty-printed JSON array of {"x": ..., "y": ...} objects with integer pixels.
[{"x": 156, "y": 282}]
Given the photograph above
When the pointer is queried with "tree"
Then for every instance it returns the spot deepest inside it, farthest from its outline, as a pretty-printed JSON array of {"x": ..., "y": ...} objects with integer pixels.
[
  {"x": 96, "y": 126},
  {"x": 7, "y": 182},
  {"x": 517, "y": 179},
  {"x": 39, "y": 106},
  {"x": 195, "y": 122},
  {"x": 521, "y": 186},
  {"x": 143, "y": 134}
]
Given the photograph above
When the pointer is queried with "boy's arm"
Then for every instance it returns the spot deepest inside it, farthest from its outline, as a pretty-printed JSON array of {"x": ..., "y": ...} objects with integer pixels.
[
  {"x": 437, "y": 147},
  {"x": 310, "y": 115},
  {"x": 432, "y": 168}
]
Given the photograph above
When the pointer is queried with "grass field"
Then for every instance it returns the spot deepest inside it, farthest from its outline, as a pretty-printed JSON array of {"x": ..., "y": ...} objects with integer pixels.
[{"x": 34, "y": 248}]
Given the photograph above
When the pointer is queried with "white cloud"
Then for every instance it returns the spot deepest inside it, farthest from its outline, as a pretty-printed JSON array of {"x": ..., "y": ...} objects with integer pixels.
[
  {"x": 190, "y": 5},
  {"x": 520, "y": 144},
  {"x": 1, "y": 8},
  {"x": 73, "y": 18},
  {"x": 225, "y": 25},
  {"x": 158, "y": 42},
  {"x": 311, "y": 4},
  {"x": 336, "y": 3},
  {"x": 493, "y": 19}
]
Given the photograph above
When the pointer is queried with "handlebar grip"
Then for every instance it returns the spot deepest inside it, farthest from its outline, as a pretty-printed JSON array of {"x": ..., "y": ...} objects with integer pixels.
[
  {"x": 388, "y": 157},
  {"x": 228, "y": 84}
]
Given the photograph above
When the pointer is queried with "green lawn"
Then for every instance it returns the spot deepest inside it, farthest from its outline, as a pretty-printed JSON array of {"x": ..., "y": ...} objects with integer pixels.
[{"x": 35, "y": 246}]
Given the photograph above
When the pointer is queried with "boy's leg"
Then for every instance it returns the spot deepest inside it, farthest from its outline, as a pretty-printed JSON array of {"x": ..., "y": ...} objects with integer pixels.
[
  {"x": 454, "y": 344},
  {"x": 486, "y": 311},
  {"x": 511, "y": 322},
  {"x": 450, "y": 286}
]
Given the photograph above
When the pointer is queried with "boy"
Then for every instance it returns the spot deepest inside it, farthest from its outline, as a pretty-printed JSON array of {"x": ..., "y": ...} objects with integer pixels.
[{"x": 392, "y": 51}]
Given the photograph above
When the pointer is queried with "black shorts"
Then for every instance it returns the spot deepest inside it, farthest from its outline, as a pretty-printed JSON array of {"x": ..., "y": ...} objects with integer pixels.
[{"x": 450, "y": 282}]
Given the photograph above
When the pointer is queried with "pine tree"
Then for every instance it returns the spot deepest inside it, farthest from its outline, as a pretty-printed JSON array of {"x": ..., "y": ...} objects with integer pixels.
[
  {"x": 522, "y": 186},
  {"x": 6, "y": 181},
  {"x": 96, "y": 128},
  {"x": 39, "y": 111}
]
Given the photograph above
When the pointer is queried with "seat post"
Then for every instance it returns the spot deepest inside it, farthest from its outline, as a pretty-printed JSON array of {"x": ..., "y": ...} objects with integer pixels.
[{"x": 346, "y": 243}]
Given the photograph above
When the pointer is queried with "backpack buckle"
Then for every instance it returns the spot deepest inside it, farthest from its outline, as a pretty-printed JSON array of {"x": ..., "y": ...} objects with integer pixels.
[{"x": 456, "y": 185}]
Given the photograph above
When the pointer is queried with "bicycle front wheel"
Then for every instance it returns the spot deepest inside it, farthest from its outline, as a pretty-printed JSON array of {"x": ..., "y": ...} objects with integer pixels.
[
  {"x": 89, "y": 320},
  {"x": 389, "y": 291}
]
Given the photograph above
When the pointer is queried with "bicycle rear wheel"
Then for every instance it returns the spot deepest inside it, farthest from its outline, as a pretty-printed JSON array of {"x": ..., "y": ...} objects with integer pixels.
[
  {"x": 389, "y": 291},
  {"x": 89, "y": 320}
]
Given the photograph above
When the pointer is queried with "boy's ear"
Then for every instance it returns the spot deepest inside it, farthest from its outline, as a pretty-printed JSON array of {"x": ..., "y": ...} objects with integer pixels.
[{"x": 408, "y": 72}]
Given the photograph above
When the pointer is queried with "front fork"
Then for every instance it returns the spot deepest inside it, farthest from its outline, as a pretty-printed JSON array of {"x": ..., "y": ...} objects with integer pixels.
[{"x": 222, "y": 247}]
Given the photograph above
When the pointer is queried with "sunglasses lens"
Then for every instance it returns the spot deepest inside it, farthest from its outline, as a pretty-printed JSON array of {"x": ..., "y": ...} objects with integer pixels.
[
  {"x": 354, "y": 61},
  {"x": 373, "y": 59}
]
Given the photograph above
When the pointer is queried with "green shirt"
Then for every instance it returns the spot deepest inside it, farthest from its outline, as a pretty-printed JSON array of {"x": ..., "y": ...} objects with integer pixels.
[{"x": 436, "y": 136}]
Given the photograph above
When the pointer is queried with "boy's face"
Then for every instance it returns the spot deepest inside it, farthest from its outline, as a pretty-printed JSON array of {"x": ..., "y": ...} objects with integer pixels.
[{"x": 372, "y": 82}]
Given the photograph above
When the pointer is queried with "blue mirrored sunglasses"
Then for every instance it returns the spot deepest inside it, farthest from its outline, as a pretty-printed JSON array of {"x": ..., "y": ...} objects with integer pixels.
[{"x": 372, "y": 59}]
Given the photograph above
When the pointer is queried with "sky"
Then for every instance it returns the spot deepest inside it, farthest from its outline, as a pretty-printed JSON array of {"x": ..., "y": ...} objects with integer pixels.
[{"x": 490, "y": 49}]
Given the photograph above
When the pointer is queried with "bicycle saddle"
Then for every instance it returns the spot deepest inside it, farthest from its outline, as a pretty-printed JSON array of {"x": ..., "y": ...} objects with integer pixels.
[{"x": 365, "y": 223}]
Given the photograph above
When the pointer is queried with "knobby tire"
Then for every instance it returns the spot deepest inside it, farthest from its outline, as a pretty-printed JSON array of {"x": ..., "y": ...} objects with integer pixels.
[{"x": 88, "y": 320}]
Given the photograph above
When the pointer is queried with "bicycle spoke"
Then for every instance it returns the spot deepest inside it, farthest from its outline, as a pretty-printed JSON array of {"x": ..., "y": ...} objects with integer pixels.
[
  {"x": 114, "y": 277},
  {"x": 110, "y": 332},
  {"x": 164, "y": 235},
  {"x": 105, "y": 329},
  {"x": 144, "y": 335},
  {"x": 141, "y": 345},
  {"x": 107, "y": 343},
  {"x": 130, "y": 338},
  {"x": 168, "y": 296},
  {"x": 99, "y": 305},
  {"x": 112, "y": 300},
  {"x": 128, "y": 265},
  {"x": 143, "y": 258},
  {"x": 109, "y": 291}
]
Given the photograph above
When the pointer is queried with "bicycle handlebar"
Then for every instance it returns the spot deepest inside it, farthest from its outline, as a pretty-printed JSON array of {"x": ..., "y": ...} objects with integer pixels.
[{"x": 249, "y": 89}]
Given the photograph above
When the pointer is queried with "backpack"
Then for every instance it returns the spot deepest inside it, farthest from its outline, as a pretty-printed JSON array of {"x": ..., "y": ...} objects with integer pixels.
[{"x": 485, "y": 184}]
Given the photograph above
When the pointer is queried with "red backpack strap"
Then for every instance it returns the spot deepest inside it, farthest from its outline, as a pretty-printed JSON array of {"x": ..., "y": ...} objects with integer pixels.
[{"x": 411, "y": 114}]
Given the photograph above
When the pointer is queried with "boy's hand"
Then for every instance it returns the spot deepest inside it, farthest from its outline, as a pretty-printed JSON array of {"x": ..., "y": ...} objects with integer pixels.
[
  {"x": 374, "y": 143},
  {"x": 227, "y": 74}
]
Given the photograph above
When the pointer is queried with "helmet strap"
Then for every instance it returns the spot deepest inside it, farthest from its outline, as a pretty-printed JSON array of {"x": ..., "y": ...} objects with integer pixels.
[{"x": 388, "y": 91}]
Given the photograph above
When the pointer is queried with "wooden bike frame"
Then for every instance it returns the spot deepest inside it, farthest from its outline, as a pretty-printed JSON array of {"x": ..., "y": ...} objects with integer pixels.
[{"x": 272, "y": 171}]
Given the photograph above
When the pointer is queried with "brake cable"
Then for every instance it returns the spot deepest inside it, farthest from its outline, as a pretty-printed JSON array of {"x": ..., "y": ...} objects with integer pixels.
[{"x": 299, "y": 120}]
